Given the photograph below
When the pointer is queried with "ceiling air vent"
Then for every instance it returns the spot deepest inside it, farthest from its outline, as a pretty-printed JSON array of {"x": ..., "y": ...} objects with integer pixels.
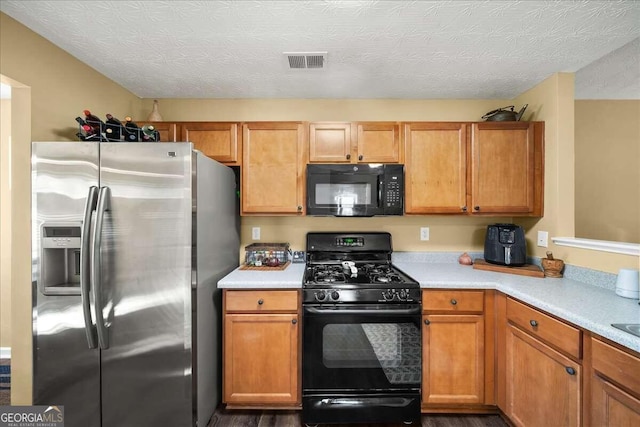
[{"x": 300, "y": 60}]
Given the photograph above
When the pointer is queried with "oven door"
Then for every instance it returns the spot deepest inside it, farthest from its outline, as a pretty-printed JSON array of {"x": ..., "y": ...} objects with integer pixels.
[
  {"x": 361, "y": 348},
  {"x": 345, "y": 190}
]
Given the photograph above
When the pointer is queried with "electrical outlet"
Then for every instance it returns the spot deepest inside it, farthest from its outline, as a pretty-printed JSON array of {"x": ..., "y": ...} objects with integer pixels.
[
  {"x": 424, "y": 233},
  {"x": 543, "y": 239},
  {"x": 255, "y": 233}
]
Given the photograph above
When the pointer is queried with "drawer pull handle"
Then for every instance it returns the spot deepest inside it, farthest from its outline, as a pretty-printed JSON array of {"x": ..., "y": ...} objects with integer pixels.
[
  {"x": 426, "y": 321},
  {"x": 533, "y": 323},
  {"x": 294, "y": 321},
  {"x": 453, "y": 301},
  {"x": 570, "y": 370},
  {"x": 260, "y": 301}
]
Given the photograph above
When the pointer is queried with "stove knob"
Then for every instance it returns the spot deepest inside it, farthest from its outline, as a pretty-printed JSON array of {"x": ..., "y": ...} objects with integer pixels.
[
  {"x": 320, "y": 296},
  {"x": 403, "y": 295},
  {"x": 388, "y": 295},
  {"x": 335, "y": 295}
]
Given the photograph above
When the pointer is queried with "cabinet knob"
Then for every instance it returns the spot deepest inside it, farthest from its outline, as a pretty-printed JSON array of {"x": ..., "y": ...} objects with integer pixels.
[
  {"x": 453, "y": 302},
  {"x": 464, "y": 208},
  {"x": 476, "y": 208},
  {"x": 294, "y": 321},
  {"x": 299, "y": 208},
  {"x": 360, "y": 157},
  {"x": 570, "y": 370},
  {"x": 533, "y": 323},
  {"x": 348, "y": 156},
  {"x": 260, "y": 301},
  {"x": 426, "y": 321}
]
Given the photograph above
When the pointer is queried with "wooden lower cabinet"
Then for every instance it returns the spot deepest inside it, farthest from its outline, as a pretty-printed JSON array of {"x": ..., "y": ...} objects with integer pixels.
[
  {"x": 543, "y": 385},
  {"x": 453, "y": 359},
  {"x": 261, "y": 348},
  {"x": 457, "y": 363},
  {"x": 540, "y": 379},
  {"x": 615, "y": 387}
]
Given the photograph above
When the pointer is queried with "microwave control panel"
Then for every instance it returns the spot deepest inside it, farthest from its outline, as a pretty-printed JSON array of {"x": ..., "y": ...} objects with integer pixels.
[{"x": 394, "y": 190}]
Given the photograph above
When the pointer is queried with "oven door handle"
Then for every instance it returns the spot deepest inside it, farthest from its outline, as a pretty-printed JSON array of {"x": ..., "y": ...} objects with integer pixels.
[
  {"x": 367, "y": 309},
  {"x": 394, "y": 402}
]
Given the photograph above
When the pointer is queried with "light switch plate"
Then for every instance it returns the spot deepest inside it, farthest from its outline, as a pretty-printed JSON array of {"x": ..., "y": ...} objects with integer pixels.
[{"x": 543, "y": 239}]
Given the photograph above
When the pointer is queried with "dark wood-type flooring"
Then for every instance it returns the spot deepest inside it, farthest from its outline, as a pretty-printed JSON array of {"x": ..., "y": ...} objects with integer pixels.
[{"x": 236, "y": 418}]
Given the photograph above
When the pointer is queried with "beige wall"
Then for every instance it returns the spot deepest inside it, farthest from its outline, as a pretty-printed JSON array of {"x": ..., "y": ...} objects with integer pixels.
[
  {"x": 607, "y": 146},
  {"x": 5, "y": 225},
  {"x": 61, "y": 86},
  {"x": 553, "y": 101}
]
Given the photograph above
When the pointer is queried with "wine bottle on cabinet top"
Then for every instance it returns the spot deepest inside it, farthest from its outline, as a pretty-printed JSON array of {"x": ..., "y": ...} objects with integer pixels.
[
  {"x": 131, "y": 130},
  {"x": 113, "y": 128},
  {"x": 97, "y": 127}
]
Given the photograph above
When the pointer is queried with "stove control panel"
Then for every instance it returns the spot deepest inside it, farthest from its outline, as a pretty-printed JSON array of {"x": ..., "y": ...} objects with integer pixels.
[
  {"x": 392, "y": 295},
  {"x": 403, "y": 295},
  {"x": 349, "y": 241}
]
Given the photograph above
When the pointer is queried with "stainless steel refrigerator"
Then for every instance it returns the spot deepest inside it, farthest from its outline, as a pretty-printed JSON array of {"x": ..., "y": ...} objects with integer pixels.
[{"x": 129, "y": 242}]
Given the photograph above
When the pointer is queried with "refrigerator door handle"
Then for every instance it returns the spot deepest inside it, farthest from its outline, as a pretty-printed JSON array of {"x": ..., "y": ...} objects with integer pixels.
[
  {"x": 85, "y": 266},
  {"x": 96, "y": 266}
]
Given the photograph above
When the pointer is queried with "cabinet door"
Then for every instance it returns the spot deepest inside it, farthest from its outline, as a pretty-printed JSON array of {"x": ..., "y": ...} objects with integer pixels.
[
  {"x": 435, "y": 168},
  {"x": 261, "y": 359},
  {"x": 168, "y": 131},
  {"x": 273, "y": 168},
  {"x": 542, "y": 385},
  {"x": 502, "y": 167},
  {"x": 453, "y": 359},
  {"x": 379, "y": 143},
  {"x": 611, "y": 406},
  {"x": 217, "y": 140},
  {"x": 330, "y": 143}
]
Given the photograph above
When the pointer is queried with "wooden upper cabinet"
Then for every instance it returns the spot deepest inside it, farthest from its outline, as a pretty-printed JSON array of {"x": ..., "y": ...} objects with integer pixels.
[
  {"x": 168, "y": 131},
  {"x": 504, "y": 168},
  {"x": 362, "y": 142},
  {"x": 218, "y": 140},
  {"x": 273, "y": 166},
  {"x": 378, "y": 143},
  {"x": 435, "y": 167},
  {"x": 330, "y": 143}
]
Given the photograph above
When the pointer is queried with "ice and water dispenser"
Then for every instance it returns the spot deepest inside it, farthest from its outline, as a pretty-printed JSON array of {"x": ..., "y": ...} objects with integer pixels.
[{"x": 60, "y": 259}]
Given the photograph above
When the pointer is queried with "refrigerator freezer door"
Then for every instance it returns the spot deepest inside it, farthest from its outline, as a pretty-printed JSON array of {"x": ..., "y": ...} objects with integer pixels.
[
  {"x": 146, "y": 284},
  {"x": 66, "y": 370}
]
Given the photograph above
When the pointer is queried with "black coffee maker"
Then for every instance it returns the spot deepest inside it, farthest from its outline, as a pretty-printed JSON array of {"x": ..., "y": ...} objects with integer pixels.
[{"x": 505, "y": 245}]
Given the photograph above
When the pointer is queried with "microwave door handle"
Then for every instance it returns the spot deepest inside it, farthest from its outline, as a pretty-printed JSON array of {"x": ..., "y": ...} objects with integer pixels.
[
  {"x": 380, "y": 188},
  {"x": 104, "y": 197},
  {"x": 85, "y": 268}
]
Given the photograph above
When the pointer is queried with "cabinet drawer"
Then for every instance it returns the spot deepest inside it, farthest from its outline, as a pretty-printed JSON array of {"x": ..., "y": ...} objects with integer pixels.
[
  {"x": 616, "y": 365},
  {"x": 259, "y": 301},
  {"x": 453, "y": 301},
  {"x": 559, "y": 334}
]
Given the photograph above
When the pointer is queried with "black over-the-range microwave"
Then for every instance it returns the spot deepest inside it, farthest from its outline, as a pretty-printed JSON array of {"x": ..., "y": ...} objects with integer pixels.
[{"x": 355, "y": 190}]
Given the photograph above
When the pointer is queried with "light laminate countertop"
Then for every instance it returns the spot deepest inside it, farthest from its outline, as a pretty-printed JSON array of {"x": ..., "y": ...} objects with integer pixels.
[{"x": 590, "y": 307}]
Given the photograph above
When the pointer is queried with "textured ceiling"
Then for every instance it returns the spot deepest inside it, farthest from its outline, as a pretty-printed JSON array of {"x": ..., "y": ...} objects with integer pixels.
[{"x": 376, "y": 49}]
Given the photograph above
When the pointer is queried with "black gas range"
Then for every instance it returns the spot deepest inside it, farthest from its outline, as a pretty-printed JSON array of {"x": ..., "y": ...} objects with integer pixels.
[
  {"x": 362, "y": 343},
  {"x": 355, "y": 268}
]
